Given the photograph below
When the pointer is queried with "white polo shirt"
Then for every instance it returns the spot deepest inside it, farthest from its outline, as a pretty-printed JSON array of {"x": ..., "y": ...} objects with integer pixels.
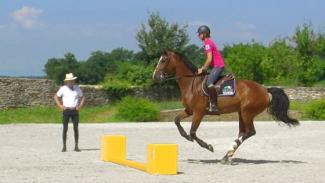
[{"x": 70, "y": 97}]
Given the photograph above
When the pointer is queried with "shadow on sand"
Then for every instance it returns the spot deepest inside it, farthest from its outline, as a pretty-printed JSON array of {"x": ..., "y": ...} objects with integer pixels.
[
  {"x": 90, "y": 149},
  {"x": 238, "y": 161}
]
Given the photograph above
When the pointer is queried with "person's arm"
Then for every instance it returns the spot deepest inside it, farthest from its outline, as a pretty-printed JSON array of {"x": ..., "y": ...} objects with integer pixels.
[
  {"x": 206, "y": 64},
  {"x": 58, "y": 102},
  {"x": 81, "y": 103}
]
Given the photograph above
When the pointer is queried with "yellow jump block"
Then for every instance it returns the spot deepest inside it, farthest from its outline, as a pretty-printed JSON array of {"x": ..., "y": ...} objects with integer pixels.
[{"x": 161, "y": 158}]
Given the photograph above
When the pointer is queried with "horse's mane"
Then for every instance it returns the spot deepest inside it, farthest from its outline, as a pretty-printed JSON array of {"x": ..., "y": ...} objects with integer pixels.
[{"x": 187, "y": 62}]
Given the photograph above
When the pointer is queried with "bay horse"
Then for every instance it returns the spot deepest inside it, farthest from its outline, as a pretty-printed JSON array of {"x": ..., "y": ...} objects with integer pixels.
[{"x": 249, "y": 100}]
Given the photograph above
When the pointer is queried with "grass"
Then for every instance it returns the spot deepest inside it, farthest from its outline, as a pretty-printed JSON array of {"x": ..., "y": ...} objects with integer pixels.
[
  {"x": 98, "y": 114},
  {"x": 165, "y": 105},
  {"x": 53, "y": 115},
  {"x": 28, "y": 115}
]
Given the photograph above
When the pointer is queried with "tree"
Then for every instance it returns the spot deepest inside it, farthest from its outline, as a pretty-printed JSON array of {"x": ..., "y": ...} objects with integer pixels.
[
  {"x": 280, "y": 63},
  {"x": 244, "y": 60},
  {"x": 121, "y": 54},
  {"x": 195, "y": 54},
  {"x": 158, "y": 35},
  {"x": 310, "y": 51},
  {"x": 56, "y": 68}
]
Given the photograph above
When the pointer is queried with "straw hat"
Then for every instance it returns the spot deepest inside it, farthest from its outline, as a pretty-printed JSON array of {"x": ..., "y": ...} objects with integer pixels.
[{"x": 69, "y": 77}]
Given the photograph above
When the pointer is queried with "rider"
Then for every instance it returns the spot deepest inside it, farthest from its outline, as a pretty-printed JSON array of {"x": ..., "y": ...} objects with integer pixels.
[{"x": 213, "y": 60}]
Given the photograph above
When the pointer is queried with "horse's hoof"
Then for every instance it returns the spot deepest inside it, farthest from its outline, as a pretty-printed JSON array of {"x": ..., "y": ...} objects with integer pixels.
[
  {"x": 210, "y": 148},
  {"x": 189, "y": 138},
  {"x": 225, "y": 161}
]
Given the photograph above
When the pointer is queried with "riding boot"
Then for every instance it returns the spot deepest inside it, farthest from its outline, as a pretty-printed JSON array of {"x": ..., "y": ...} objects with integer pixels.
[
  {"x": 76, "y": 138},
  {"x": 64, "y": 137},
  {"x": 213, "y": 99}
]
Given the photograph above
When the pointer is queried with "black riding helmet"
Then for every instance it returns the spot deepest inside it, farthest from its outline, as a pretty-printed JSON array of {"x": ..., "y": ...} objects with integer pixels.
[{"x": 204, "y": 29}]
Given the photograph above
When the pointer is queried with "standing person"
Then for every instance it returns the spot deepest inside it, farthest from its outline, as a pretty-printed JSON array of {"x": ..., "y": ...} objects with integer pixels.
[
  {"x": 73, "y": 101},
  {"x": 214, "y": 61}
]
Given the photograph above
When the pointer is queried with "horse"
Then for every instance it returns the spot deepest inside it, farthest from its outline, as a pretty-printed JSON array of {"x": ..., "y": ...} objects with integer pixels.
[{"x": 249, "y": 100}]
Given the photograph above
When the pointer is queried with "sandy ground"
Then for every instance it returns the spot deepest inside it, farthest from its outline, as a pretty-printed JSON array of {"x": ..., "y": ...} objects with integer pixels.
[{"x": 31, "y": 153}]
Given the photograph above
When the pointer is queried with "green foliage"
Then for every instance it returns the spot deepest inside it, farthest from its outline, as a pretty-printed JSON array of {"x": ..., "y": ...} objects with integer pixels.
[
  {"x": 95, "y": 68},
  {"x": 121, "y": 54},
  {"x": 50, "y": 114},
  {"x": 91, "y": 71},
  {"x": 296, "y": 60},
  {"x": 30, "y": 115},
  {"x": 310, "y": 49},
  {"x": 195, "y": 54},
  {"x": 279, "y": 65},
  {"x": 125, "y": 77},
  {"x": 56, "y": 68},
  {"x": 133, "y": 75},
  {"x": 137, "y": 109},
  {"x": 158, "y": 34},
  {"x": 136, "y": 75},
  {"x": 320, "y": 84},
  {"x": 244, "y": 60},
  {"x": 117, "y": 88},
  {"x": 166, "y": 105},
  {"x": 315, "y": 110}
]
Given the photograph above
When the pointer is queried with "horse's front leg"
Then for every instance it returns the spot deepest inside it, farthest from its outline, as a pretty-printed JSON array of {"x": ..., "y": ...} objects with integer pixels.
[
  {"x": 197, "y": 117},
  {"x": 178, "y": 118}
]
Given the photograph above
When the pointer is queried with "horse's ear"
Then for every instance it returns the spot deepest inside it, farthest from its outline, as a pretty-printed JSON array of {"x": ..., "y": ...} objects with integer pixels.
[{"x": 164, "y": 51}]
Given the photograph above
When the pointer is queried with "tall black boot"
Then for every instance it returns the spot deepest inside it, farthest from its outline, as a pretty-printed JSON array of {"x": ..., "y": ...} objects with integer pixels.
[
  {"x": 213, "y": 99},
  {"x": 76, "y": 138},
  {"x": 64, "y": 139}
]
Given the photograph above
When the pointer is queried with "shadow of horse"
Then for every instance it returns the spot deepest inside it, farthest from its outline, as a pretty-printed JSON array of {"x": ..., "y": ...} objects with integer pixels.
[{"x": 238, "y": 161}]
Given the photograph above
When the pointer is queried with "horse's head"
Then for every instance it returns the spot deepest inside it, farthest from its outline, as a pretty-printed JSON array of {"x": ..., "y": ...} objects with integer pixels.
[{"x": 165, "y": 66}]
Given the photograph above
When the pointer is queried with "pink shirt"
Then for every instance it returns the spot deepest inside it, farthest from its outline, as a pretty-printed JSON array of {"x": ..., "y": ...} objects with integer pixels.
[{"x": 210, "y": 47}]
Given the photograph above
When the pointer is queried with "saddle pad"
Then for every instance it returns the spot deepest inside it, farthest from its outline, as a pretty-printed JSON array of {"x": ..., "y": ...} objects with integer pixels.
[{"x": 228, "y": 88}]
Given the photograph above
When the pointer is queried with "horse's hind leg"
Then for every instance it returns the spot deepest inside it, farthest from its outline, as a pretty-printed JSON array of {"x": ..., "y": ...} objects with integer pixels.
[
  {"x": 246, "y": 130},
  {"x": 195, "y": 124},
  {"x": 178, "y": 118}
]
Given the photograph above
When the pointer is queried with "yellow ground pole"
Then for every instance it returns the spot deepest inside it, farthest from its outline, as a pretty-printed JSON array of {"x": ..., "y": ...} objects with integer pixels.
[{"x": 161, "y": 158}]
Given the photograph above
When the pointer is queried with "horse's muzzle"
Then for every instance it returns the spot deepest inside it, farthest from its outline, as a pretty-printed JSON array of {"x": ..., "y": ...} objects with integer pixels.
[{"x": 158, "y": 76}]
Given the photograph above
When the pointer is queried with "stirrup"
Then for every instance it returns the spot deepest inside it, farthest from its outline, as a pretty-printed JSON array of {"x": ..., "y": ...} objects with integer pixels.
[{"x": 212, "y": 109}]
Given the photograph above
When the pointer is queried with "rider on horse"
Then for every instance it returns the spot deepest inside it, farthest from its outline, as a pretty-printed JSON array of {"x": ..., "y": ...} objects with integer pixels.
[{"x": 213, "y": 60}]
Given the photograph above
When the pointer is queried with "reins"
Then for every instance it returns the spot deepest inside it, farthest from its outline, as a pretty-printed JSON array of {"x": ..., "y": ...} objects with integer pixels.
[{"x": 180, "y": 77}]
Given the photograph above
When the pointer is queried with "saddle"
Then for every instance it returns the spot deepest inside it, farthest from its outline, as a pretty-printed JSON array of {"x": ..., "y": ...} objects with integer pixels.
[{"x": 225, "y": 85}]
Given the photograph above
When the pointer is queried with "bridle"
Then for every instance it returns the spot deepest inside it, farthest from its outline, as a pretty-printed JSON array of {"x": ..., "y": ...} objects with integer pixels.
[{"x": 166, "y": 77}]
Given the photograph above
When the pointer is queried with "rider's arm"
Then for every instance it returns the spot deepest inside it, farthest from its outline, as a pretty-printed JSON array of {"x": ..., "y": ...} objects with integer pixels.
[
  {"x": 207, "y": 61},
  {"x": 206, "y": 64}
]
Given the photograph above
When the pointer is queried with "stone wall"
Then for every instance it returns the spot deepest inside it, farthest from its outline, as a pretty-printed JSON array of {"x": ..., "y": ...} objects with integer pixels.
[
  {"x": 15, "y": 92},
  {"x": 305, "y": 93},
  {"x": 20, "y": 92},
  {"x": 25, "y": 92}
]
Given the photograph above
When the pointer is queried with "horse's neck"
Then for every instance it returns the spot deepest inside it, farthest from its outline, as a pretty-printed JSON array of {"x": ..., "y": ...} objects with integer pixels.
[
  {"x": 183, "y": 70},
  {"x": 186, "y": 82}
]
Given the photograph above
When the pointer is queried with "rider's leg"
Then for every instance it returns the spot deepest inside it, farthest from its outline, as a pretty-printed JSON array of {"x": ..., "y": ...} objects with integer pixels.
[{"x": 212, "y": 90}]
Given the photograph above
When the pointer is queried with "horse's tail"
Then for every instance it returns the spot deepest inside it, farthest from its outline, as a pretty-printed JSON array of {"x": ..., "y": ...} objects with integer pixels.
[{"x": 279, "y": 106}]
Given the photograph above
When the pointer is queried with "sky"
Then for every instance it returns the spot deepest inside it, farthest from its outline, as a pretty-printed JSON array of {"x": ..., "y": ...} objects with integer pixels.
[{"x": 32, "y": 31}]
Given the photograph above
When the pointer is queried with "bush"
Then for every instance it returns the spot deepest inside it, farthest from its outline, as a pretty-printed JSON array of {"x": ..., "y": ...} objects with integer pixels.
[
  {"x": 137, "y": 109},
  {"x": 117, "y": 89},
  {"x": 135, "y": 75},
  {"x": 315, "y": 110}
]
